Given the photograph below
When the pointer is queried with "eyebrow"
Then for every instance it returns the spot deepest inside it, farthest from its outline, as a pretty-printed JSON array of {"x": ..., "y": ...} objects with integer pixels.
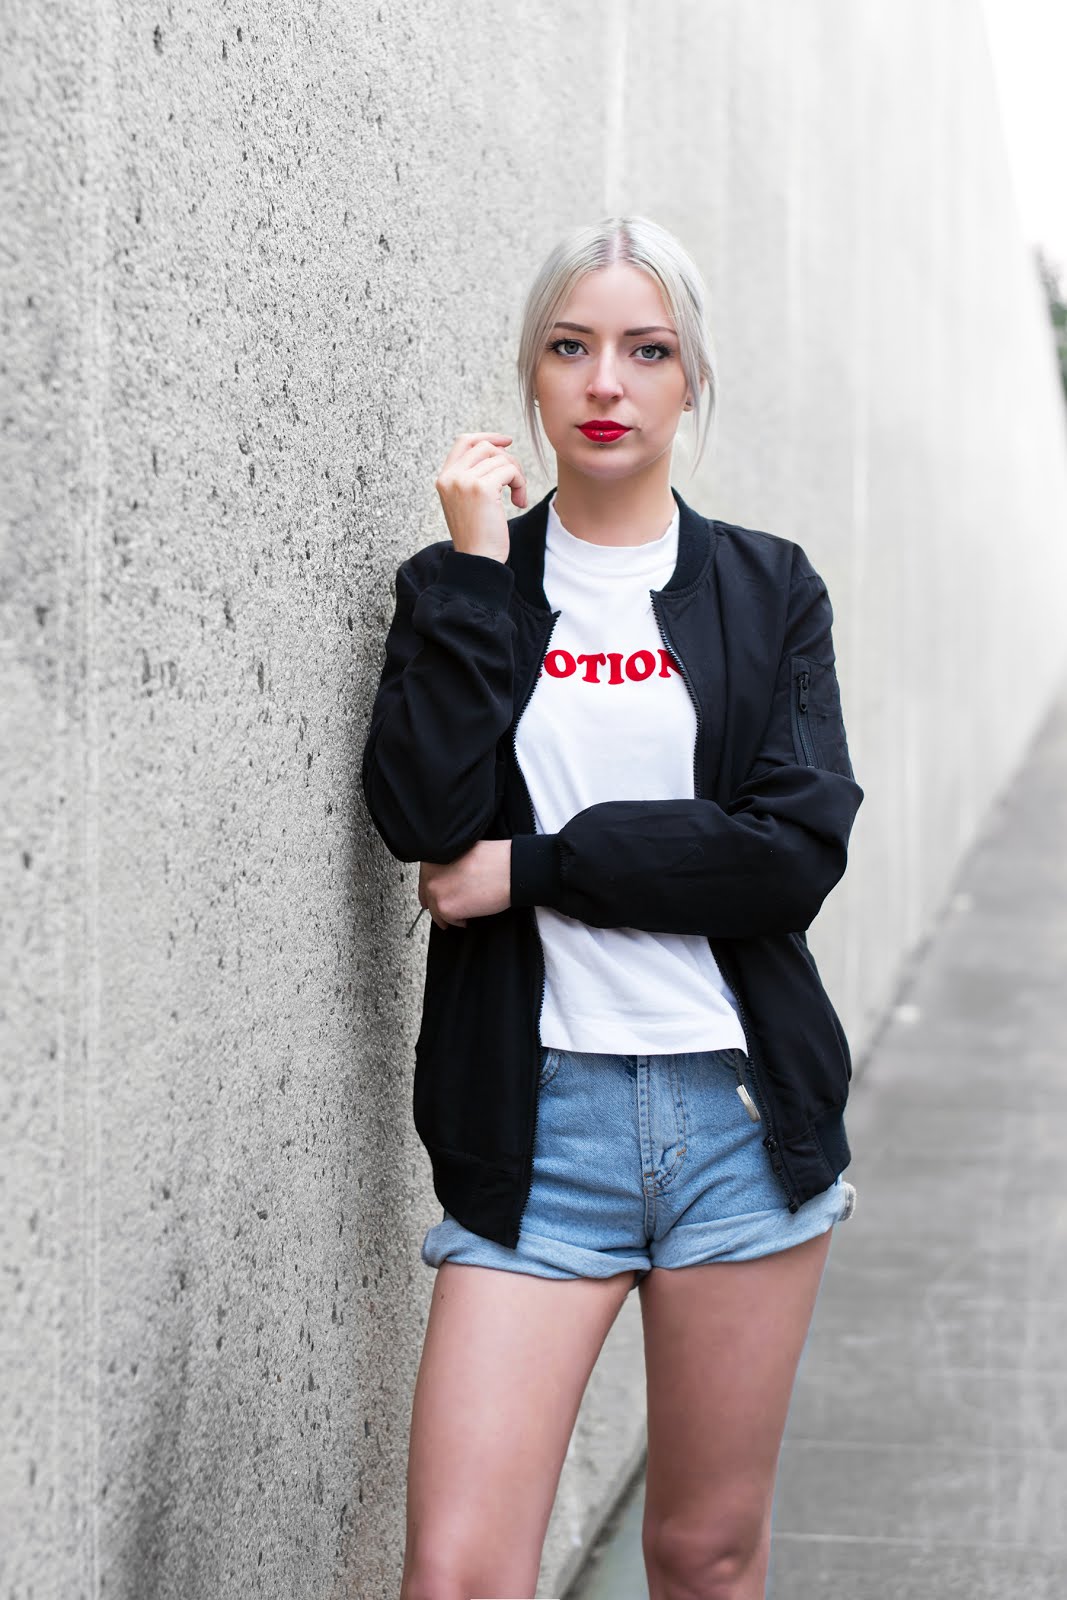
[{"x": 627, "y": 333}]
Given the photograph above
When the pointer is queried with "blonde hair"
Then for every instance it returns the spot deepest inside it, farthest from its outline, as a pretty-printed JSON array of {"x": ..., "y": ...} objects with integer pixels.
[{"x": 645, "y": 244}]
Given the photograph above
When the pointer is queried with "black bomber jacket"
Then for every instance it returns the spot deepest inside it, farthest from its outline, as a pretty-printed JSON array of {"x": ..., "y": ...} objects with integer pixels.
[{"x": 747, "y": 860}]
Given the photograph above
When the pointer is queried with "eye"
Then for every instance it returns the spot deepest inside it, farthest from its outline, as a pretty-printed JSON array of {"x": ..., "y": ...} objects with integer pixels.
[{"x": 663, "y": 352}]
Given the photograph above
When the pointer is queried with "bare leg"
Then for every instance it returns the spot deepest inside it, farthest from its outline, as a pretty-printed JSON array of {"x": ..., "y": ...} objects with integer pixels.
[
  {"x": 722, "y": 1344},
  {"x": 505, "y": 1362}
]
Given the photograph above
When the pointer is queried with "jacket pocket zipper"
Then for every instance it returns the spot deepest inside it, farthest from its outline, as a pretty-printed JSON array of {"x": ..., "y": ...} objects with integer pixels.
[{"x": 803, "y": 740}]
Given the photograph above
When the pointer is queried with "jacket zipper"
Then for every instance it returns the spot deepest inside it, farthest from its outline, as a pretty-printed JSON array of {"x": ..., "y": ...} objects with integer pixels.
[
  {"x": 743, "y": 1094},
  {"x": 726, "y": 967},
  {"x": 801, "y": 725},
  {"x": 533, "y": 911},
  {"x": 770, "y": 1141},
  {"x": 669, "y": 642}
]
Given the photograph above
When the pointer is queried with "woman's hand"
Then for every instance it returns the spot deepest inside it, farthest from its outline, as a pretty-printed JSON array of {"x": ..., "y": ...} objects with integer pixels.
[
  {"x": 476, "y": 884},
  {"x": 476, "y": 471}
]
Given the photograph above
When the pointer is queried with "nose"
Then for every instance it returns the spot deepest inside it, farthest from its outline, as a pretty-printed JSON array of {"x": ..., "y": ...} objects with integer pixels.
[{"x": 605, "y": 379}]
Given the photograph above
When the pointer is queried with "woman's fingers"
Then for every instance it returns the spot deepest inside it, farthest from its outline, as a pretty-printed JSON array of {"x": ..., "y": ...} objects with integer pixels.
[
  {"x": 466, "y": 442},
  {"x": 470, "y": 483},
  {"x": 505, "y": 473}
]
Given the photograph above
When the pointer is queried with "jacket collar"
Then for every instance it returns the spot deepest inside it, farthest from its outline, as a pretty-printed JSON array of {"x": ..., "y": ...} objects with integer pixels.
[{"x": 526, "y": 557}]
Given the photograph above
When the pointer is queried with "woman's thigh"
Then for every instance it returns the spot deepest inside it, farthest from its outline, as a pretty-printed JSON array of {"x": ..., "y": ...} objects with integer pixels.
[
  {"x": 505, "y": 1362},
  {"x": 723, "y": 1341}
]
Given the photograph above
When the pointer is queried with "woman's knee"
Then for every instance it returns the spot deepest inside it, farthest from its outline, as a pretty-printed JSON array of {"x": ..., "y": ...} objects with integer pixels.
[
  {"x": 720, "y": 1557},
  {"x": 441, "y": 1575},
  {"x": 432, "y": 1583}
]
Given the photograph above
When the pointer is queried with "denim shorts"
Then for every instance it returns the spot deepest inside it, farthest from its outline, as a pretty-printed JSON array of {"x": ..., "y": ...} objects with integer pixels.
[{"x": 645, "y": 1161}]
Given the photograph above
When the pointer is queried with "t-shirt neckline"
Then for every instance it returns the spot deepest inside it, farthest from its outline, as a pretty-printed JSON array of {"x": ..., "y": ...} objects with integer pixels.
[{"x": 624, "y": 559}]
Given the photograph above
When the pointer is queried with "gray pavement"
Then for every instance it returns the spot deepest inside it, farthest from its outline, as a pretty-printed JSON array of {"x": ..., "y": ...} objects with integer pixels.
[{"x": 925, "y": 1456}]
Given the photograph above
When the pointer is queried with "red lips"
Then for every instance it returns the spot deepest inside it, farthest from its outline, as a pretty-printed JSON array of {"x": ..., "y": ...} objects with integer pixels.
[{"x": 603, "y": 429}]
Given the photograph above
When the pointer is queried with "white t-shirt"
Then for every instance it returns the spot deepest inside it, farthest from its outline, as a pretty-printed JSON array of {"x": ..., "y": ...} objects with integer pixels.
[{"x": 610, "y": 718}]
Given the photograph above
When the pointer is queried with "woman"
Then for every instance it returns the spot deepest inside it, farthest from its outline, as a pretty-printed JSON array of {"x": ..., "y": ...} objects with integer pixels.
[{"x": 610, "y": 731}]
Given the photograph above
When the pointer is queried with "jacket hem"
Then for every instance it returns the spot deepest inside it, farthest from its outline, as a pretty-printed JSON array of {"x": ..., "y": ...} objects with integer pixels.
[
  {"x": 479, "y": 1194},
  {"x": 817, "y": 1156}
]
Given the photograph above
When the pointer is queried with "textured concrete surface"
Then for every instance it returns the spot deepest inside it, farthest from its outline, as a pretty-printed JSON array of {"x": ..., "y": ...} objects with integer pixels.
[
  {"x": 925, "y": 1455},
  {"x": 258, "y": 272}
]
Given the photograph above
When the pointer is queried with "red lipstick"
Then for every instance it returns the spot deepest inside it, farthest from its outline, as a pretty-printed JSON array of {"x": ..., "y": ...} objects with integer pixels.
[{"x": 603, "y": 430}]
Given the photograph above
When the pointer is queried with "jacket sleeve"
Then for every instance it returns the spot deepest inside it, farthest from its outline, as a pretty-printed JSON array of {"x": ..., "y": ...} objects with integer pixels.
[
  {"x": 764, "y": 863},
  {"x": 444, "y": 698}
]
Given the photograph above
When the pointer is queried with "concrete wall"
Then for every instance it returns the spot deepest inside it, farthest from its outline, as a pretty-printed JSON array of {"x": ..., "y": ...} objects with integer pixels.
[{"x": 260, "y": 267}]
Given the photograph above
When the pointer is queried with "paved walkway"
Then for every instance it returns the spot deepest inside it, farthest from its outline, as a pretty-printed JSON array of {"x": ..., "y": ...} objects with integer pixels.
[{"x": 925, "y": 1456}]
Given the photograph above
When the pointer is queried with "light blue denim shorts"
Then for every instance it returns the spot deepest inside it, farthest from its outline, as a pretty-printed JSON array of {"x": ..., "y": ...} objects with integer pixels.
[{"x": 644, "y": 1161}]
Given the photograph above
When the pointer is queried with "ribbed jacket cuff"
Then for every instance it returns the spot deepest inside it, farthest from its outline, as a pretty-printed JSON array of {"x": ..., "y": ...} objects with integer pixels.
[
  {"x": 482, "y": 577},
  {"x": 535, "y": 877}
]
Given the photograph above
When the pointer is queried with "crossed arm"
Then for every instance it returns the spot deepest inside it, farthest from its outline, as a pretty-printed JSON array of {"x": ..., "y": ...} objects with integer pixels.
[{"x": 762, "y": 864}]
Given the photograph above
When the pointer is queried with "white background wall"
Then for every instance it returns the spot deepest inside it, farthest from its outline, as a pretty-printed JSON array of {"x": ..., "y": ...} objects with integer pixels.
[{"x": 259, "y": 269}]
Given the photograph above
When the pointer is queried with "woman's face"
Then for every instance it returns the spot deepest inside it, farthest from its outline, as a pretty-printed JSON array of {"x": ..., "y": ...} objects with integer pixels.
[{"x": 596, "y": 368}]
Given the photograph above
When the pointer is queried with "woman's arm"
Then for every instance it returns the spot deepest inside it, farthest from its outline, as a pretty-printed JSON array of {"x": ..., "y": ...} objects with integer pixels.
[
  {"x": 764, "y": 864},
  {"x": 430, "y": 761},
  {"x": 444, "y": 699}
]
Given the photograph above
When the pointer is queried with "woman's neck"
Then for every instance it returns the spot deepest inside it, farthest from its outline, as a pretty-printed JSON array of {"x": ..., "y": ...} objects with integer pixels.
[{"x": 625, "y": 511}]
